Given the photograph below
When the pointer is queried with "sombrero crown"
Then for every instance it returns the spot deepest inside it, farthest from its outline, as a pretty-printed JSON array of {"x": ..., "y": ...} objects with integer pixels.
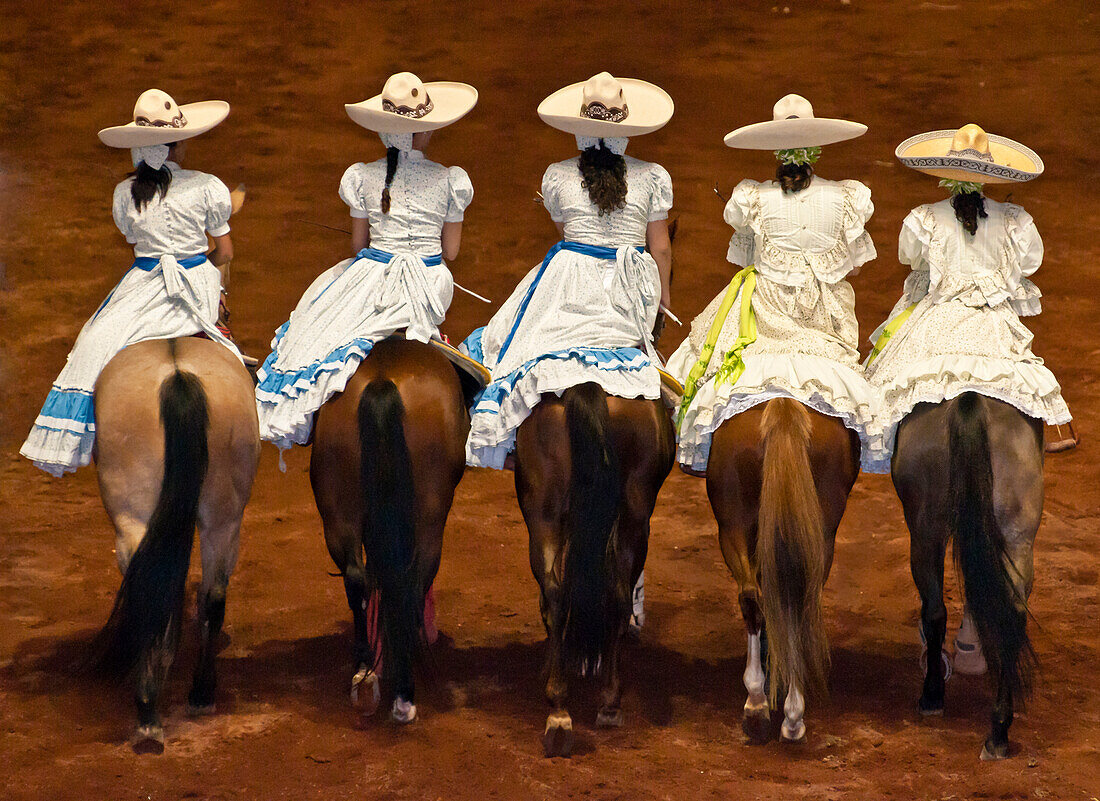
[
  {"x": 408, "y": 105},
  {"x": 970, "y": 154}
]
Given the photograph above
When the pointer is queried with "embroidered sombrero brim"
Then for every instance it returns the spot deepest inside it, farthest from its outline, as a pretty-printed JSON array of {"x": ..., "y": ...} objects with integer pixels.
[
  {"x": 1009, "y": 161},
  {"x": 451, "y": 101},
  {"x": 649, "y": 108},
  {"x": 793, "y": 133},
  {"x": 200, "y": 117}
]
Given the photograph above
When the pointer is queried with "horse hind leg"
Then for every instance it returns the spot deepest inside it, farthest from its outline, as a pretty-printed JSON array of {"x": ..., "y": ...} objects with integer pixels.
[
  {"x": 756, "y": 717},
  {"x": 219, "y": 547},
  {"x": 152, "y": 671},
  {"x": 557, "y": 737}
]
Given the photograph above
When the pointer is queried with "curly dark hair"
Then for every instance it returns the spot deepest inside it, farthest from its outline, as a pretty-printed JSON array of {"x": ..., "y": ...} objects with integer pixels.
[
  {"x": 794, "y": 177},
  {"x": 969, "y": 206},
  {"x": 603, "y": 174}
]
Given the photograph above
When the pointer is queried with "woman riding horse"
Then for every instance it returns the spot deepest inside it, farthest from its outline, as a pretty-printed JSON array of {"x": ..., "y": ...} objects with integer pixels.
[
  {"x": 961, "y": 388},
  {"x": 575, "y": 385},
  {"x": 774, "y": 401},
  {"x": 360, "y": 354},
  {"x": 171, "y": 423}
]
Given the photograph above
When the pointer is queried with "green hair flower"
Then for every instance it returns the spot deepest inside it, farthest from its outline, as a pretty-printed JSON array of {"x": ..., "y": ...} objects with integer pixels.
[
  {"x": 799, "y": 155},
  {"x": 960, "y": 187}
]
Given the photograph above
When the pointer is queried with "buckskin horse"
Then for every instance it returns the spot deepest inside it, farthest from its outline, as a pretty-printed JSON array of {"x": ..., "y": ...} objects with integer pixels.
[
  {"x": 778, "y": 480},
  {"x": 588, "y": 469},
  {"x": 970, "y": 470},
  {"x": 177, "y": 444},
  {"x": 388, "y": 453}
]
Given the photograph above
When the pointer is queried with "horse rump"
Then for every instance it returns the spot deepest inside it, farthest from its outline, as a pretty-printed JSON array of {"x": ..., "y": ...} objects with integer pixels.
[
  {"x": 150, "y": 600},
  {"x": 595, "y": 597},
  {"x": 996, "y": 605},
  {"x": 790, "y": 552}
]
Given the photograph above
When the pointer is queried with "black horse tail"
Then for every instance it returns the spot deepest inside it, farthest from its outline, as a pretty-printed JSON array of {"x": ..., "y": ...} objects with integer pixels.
[
  {"x": 388, "y": 533},
  {"x": 150, "y": 600},
  {"x": 790, "y": 551},
  {"x": 595, "y": 597},
  {"x": 996, "y": 604}
]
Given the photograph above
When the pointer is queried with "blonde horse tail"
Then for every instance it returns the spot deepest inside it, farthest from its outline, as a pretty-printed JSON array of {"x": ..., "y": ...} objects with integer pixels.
[
  {"x": 790, "y": 552},
  {"x": 150, "y": 599}
]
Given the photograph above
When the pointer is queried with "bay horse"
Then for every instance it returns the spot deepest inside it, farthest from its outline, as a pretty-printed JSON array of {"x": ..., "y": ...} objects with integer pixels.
[
  {"x": 588, "y": 468},
  {"x": 387, "y": 455},
  {"x": 778, "y": 480},
  {"x": 177, "y": 445},
  {"x": 970, "y": 470}
]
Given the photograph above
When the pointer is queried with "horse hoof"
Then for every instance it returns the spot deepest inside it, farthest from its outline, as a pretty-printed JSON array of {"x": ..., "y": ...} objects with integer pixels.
[
  {"x": 793, "y": 735},
  {"x": 994, "y": 751},
  {"x": 366, "y": 693},
  {"x": 969, "y": 660},
  {"x": 148, "y": 740},
  {"x": 609, "y": 719},
  {"x": 757, "y": 724},
  {"x": 557, "y": 739},
  {"x": 198, "y": 711},
  {"x": 403, "y": 712},
  {"x": 930, "y": 709}
]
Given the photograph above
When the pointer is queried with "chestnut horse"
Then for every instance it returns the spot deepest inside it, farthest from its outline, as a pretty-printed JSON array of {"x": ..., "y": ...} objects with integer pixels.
[
  {"x": 588, "y": 470},
  {"x": 971, "y": 470},
  {"x": 177, "y": 444},
  {"x": 388, "y": 453},
  {"x": 778, "y": 480}
]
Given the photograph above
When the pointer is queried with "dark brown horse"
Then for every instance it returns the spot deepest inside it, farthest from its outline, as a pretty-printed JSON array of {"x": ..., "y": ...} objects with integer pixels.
[
  {"x": 588, "y": 470},
  {"x": 388, "y": 453},
  {"x": 971, "y": 470},
  {"x": 778, "y": 479},
  {"x": 177, "y": 444}
]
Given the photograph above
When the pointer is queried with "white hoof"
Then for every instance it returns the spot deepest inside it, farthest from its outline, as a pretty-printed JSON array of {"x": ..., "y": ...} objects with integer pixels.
[
  {"x": 793, "y": 732},
  {"x": 366, "y": 693},
  {"x": 403, "y": 712}
]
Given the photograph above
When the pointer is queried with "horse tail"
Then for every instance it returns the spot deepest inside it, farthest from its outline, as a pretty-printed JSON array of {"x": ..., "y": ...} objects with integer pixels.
[
  {"x": 594, "y": 595},
  {"x": 790, "y": 552},
  {"x": 388, "y": 534},
  {"x": 996, "y": 605},
  {"x": 151, "y": 595}
]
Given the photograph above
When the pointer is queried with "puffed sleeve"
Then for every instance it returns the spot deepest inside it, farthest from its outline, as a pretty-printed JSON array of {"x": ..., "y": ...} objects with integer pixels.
[
  {"x": 915, "y": 239},
  {"x": 660, "y": 199},
  {"x": 858, "y": 210},
  {"x": 460, "y": 193},
  {"x": 740, "y": 214},
  {"x": 351, "y": 191},
  {"x": 551, "y": 180},
  {"x": 218, "y": 207},
  {"x": 1024, "y": 238},
  {"x": 120, "y": 210}
]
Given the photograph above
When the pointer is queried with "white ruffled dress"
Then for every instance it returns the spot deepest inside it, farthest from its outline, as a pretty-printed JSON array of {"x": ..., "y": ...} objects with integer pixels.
[
  {"x": 171, "y": 290},
  {"x": 577, "y": 317},
  {"x": 399, "y": 282},
  {"x": 803, "y": 246},
  {"x": 964, "y": 332}
]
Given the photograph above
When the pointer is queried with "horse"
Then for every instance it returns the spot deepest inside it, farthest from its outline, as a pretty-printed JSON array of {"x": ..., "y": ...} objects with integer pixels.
[
  {"x": 970, "y": 470},
  {"x": 177, "y": 445},
  {"x": 388, "y": 453},
  {"x": 778, "y": 480},
  {"x": 588, "y": 468}
]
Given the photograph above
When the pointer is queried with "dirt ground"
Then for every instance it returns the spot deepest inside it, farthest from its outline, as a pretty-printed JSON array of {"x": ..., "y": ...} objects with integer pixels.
[{"x": 1024, "y": 68}]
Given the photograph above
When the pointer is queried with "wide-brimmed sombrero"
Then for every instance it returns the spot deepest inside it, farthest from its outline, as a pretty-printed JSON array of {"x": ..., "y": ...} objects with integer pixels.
[
  {"x": 408, "y": 105},
  {"x": 608, "y": 107},
  {"x": 158, "y": 120},
  {"x": 970, "y": 154},
  {"x": 793, "y": 125}
]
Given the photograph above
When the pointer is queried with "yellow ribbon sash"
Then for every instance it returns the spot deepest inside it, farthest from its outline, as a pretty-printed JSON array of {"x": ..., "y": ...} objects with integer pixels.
[
  {"x": 889, "y": 331},
  {"x": 732, "y": 366}
]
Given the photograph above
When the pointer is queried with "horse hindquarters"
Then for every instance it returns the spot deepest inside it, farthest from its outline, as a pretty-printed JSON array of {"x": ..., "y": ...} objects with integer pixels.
[
  {"x": 790, "y": 553},
  {"x": 144, "y": 624}
]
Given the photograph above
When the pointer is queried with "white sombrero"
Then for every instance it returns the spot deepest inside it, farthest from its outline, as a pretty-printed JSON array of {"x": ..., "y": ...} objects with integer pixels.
[
  {"x": 159, "y": 121},
  {"x": 408, "y": 105},
  {"x": 607, "y": 107},
  {"x": 970, "y": 154},
  {"x": 793, "y": 125}
]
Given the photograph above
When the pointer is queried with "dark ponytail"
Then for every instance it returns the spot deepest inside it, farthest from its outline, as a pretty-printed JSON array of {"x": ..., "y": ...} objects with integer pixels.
[
  {"x": 149, "y": 182},
  {"x": 969, "y": 206},
  {"x": 794, "y": 177},
  {"x": 603, "y": 174},
  {"x": 392, "y": 154}
]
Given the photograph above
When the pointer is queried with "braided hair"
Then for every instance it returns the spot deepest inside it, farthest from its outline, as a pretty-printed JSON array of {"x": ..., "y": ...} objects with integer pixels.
[
  {"x": 603, "y": 174},
  {"x": 392, "y": 154}
]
